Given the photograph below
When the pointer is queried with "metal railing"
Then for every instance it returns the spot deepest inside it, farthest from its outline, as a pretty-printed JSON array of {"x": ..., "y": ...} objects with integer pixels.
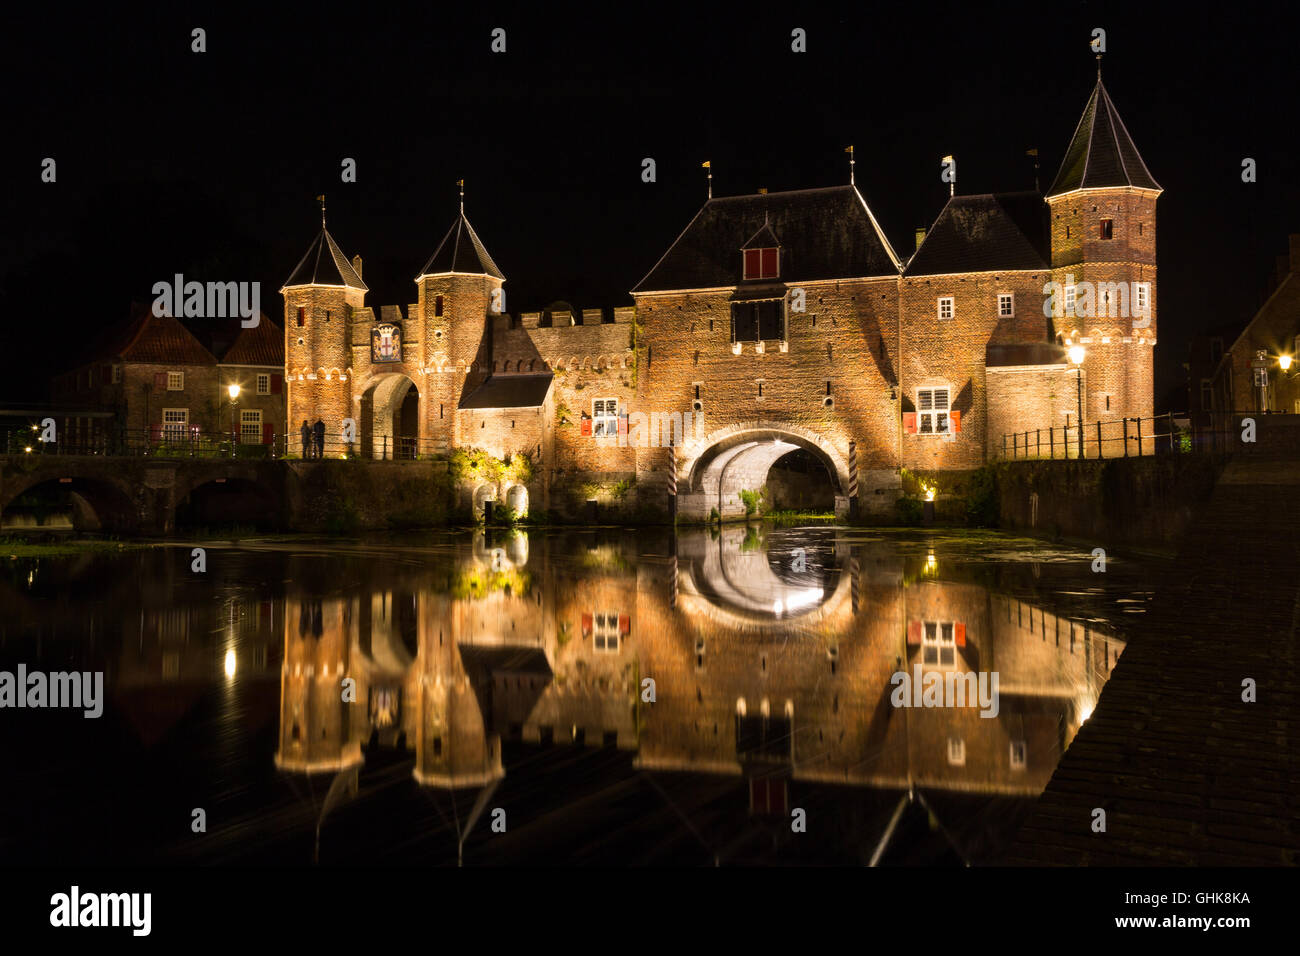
[
  {"x": 191, "y": 443},
  {"x": 1172, "y": 433}
]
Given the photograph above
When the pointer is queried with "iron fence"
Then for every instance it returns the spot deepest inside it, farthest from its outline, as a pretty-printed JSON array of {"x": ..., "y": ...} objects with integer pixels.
[
  {"x": 1172, "y": 433},
  {"x": 192, "y": 443}
]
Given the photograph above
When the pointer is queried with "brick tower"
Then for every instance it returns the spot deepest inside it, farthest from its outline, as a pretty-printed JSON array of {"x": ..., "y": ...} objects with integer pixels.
[
  {"x": 1103, "y": 228},
  {"x": 456, "y": 289},
  {"x": 319, "y": 299}
]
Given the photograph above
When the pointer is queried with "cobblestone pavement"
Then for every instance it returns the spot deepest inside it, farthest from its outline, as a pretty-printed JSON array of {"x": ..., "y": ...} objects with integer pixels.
[{"x": 1187, "y": 772}]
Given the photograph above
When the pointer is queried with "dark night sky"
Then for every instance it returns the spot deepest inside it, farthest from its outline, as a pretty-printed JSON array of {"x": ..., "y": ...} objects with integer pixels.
[{"x": 207, "y": 164}]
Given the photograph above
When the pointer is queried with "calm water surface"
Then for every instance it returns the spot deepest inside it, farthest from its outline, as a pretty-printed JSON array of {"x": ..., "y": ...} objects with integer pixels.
[{"x": 502, "y": 677}]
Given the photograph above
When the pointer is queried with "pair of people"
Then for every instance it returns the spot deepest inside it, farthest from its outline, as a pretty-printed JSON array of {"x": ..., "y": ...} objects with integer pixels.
[{"x": 313, "y": 439}]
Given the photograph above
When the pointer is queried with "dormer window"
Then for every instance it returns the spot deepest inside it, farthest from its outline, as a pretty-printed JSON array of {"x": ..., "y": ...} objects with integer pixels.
[{"x": 762, "y": 263}]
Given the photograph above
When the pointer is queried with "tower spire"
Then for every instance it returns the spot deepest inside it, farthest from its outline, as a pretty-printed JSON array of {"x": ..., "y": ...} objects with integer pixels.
[
  {"x": 321, "y": 199},
  {"x": 852, "y": 162},
  {"x": 461, "y": 184}
]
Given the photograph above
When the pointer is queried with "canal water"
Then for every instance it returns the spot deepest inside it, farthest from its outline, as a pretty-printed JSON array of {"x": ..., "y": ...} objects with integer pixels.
[{"x": 601, "y": 696}]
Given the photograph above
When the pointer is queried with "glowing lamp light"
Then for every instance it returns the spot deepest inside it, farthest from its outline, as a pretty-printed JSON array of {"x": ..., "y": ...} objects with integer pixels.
[
  {"x": 1077, "y": 353},
  {"x": 28, "y": 449},
  {"x": 1284, "y": 361},
  {"x": 234, "y": 391}
]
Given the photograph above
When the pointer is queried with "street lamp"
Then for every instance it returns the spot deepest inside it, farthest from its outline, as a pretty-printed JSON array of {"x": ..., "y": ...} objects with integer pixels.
[
  {"x": 1077, "y": 354},
  {"x": 1284, "y": 361},
  {"x": 233, "y": 390}
]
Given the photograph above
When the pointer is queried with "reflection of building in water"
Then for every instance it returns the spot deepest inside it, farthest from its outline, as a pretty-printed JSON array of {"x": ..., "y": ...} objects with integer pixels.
[
  {"x": 318, "y": 732},
  {"x": 547, "y": 643}
]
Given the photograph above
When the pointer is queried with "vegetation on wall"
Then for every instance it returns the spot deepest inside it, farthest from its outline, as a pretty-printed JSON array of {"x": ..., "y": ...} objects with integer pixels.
[
  {"x": 474, "y": 464},
  {"x": 754, "y": 501}
]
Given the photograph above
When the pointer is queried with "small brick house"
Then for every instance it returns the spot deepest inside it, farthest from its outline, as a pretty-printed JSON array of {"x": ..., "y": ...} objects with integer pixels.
[{"x": 163, "y": 384}]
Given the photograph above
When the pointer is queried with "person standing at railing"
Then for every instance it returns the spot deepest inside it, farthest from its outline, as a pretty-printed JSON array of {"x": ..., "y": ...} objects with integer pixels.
[
  {"x": 318, "y": 432},
  {"x": 306, "y": 439}
]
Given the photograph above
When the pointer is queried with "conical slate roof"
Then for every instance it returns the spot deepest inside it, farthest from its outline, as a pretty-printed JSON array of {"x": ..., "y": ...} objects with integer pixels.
[
  {"x": 325, "y": 264},
  {"x": 461, "y": 251},
  {"x": 1102, "y": 152}
]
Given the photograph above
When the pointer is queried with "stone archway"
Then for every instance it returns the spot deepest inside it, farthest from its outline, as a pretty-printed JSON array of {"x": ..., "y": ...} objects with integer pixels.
[
  {"x": 717, "y": 467},
  {"x": 388, "y": 420}
]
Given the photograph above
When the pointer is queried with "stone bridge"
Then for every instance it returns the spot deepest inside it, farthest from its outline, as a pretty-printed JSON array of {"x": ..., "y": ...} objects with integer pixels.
[{"x": 142, "y": 495}]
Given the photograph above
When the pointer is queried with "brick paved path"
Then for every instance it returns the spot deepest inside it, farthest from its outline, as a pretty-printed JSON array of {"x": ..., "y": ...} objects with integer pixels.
[{"x": 1188, "y": 773}]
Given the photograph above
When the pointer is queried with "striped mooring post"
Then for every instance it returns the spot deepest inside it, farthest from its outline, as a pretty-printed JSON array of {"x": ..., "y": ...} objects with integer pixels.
[
  {"x": 855, "y": 570},
  {"x": 672, "y": 480},
  {"x": 853, "y": 479}
]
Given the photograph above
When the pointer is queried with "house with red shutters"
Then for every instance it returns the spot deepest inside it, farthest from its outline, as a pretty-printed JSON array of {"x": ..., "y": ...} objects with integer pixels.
[{"x": 163, "y": 382}]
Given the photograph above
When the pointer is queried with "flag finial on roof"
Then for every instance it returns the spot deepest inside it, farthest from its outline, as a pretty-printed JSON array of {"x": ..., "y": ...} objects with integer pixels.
[
  {"x": 321, "y": 199},
  {"x": 709, "y": 166},
  {"x": 461, "y": 184},
  {"x": 852, "y": 162}
]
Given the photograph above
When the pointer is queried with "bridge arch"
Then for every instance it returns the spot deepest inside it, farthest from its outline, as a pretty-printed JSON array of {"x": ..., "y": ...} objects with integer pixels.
[
  {"x": 73, "y": 502},
  {"x": 388, "y": 421},
  {"x": 717, "y": 467}
]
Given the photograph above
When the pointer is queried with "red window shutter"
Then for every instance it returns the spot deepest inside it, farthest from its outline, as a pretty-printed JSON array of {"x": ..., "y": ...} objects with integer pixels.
[
  {"x": 159, "y": 379},
  {"x": 622, "y": 424},
  {"x": 769, "y": 263},
  {"x": 586, "y": 428},
  {"x": 277, "y": 384},
  {"x": 959, "y": 629},
  {"x": 909, "y": 422},
  {"x": 624, "y": 624},
  {"x": 268, "y": 433},
  {"x": 914, "y": 632},
  {"x": 753, "y": 264},
  {"x": 586, "y": 625},
  {"x": 954, "y": 416}
]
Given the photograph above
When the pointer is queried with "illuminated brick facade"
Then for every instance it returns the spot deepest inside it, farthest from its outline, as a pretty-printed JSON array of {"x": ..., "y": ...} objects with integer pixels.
[{"x": 773, "y": 323}]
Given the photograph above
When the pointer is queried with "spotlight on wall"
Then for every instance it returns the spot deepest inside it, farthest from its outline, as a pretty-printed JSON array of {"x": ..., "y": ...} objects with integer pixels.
[{"x": 1077, "y": 353}]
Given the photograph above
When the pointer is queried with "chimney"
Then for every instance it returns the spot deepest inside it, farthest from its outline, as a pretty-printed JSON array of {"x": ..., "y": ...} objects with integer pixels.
[
  {"x": 920, "y": 237},
  {"x": 356, "y": 264}
]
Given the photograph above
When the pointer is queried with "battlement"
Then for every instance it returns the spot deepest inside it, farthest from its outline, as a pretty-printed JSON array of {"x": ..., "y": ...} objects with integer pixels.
[{"x": 622, "y": 315}]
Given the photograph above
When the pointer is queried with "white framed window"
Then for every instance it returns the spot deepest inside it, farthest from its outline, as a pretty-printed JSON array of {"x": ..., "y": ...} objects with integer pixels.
[
  {"x": 604, "y": 632},
  {"x": 264, "y": 384},
  {"x": 1070, "y": 293},
  {"x": 1006, "y": 305},
  {"x": 1019, "y": 754},
  {"x": 932, "y": 411},
  {"x": 175, "y": 423},
  {"x": 938, "y": 644},
  {"x": 1142, "y": 298},
  {"x": 604, "y": 416},
  {"x": 175, "y": 381},
  {"x": 250, "y": 426},
  {"x": 947, "y": 307},
  {"x": 956, "y": 752}
]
